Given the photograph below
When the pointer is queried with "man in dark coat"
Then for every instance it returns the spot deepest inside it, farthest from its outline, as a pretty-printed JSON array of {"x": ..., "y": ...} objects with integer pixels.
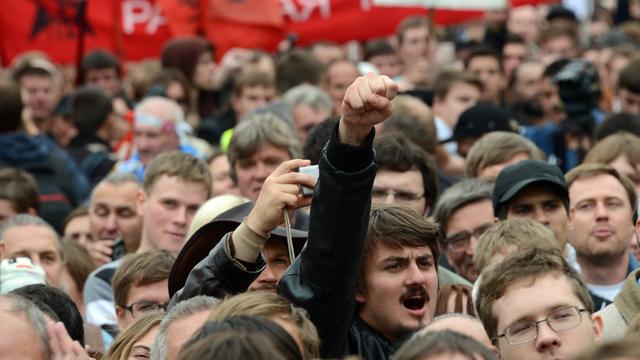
[{"x": 366, "y": 284}]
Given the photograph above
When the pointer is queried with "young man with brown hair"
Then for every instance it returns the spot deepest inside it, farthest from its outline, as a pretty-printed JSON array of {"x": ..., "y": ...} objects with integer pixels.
[
  {"x": 620, "y": 151},
  {"x": 536, "y": 190},
  {"x": 416, "y": 37},
  {"x": 629, "y": 88},
  {"x": 39, "y": 82},
  {"x": 101, "y": 68},
  {"x": 252, "y": 89},
  {"x": 558, "y": 42},
  {"x": 381, "y": 54},
  {"x": 18, "y": 193},
  {"x": 406, "y": 175},
  {"x": 396, "y": 279},
  {"x": 173, "y": 190},
  {"x": 92, "y": 112},
  {"x": 175, "y": 185},
  {"x": 600, "y": 228},
  {"x": 393, "y": 263},
  {"x": 453, "y": 92},
  {"x": 514, "y": 53},
  {"x": 485, "y": 63},
  {"x": 497, "y": 150},
  {"x": 534, "y": 305},
  {"x": 509, "y": 236},
  {"x": 140, "y": 285}
]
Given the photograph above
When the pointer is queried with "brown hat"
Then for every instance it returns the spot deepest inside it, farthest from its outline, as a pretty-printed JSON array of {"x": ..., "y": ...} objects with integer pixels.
[{"x": 207, "y": 237}]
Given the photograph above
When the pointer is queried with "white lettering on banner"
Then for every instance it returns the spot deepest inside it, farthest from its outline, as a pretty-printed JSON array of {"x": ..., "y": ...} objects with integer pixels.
[
  {"x": 290, "y": 9},
  {"x": 137, "y": 12}
]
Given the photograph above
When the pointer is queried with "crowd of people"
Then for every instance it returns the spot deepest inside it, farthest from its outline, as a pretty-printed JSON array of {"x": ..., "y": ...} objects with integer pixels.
[{"x": 475, "y": 196}]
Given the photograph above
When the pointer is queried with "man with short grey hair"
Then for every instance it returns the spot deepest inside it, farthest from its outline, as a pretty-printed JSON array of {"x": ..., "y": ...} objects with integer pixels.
[
  {"x": 309, "y": 106},
  {"x": 464, "y": 211},
  {"x": 29, "y": 236},
  {"x": 23, "y": 329},
  {"x": 260, "y": 143},
  {"x": 180, "y": 323}
]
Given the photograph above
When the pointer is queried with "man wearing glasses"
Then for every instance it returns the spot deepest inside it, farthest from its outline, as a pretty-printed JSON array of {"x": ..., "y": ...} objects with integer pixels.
[
  {"x": 140, "y": 285},
  {"x": 464, "y": 212},
  {"x": 534, "y": 305},
  {"x": 406, "y": 175}
]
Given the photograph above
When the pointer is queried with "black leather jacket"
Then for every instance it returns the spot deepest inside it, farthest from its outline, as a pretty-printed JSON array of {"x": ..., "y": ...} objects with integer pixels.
[
  {"x": 219, "y": 275},
  {"x": 322, "y": 279}
]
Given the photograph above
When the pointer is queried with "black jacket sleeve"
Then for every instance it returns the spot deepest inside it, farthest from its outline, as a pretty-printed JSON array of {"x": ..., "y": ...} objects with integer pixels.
[
  {"x": 323, "y": 279},
  {"x": 219, "y": 275}
]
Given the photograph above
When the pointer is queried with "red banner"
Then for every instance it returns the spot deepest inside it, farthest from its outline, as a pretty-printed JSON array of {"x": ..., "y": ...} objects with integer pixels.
[
  {"x": 310, "y": 20},
  {"x": 52, "y": 27},
  {"x": 137, "y": 29},
  {"x": 344, "y": 20},
  {"x": 133, "y": 29}
]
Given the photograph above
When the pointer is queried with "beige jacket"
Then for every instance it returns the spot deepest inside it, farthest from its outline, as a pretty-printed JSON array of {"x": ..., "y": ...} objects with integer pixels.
[{"x": 625, "y": 307}]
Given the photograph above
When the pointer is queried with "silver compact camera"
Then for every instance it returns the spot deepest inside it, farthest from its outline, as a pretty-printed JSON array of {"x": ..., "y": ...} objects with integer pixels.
[{"x": 309, "y": 170}]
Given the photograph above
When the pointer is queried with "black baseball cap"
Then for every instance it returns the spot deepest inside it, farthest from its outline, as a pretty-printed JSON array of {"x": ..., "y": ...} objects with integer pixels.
[
  {"x": 516, "y": 177},
  {"x": 480, "y": 119}
]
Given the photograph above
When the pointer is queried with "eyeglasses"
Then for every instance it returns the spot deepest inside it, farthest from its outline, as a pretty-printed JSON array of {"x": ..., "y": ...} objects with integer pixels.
[
  {"x": 400, "y": 196},
  {"x": 559, "y": 320},
  {"x": 460, "y": 241},
  {"x": 145, "y": 307}
]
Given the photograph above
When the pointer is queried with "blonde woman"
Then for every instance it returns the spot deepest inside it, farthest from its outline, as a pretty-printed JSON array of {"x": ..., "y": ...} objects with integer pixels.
[{"x": 135, "y": 342}]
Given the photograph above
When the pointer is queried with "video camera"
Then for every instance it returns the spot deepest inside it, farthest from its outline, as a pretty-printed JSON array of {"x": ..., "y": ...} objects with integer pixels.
[{"x": 579, "y": 90}]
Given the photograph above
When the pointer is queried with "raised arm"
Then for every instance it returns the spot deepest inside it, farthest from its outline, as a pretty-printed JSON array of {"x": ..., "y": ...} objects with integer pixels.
[
  {"x": 235, "y": 262},
  {"x": 322, "y": 280}
]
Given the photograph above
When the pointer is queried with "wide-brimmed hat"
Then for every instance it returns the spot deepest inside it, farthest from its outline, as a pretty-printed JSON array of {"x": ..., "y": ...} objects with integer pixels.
[{"x": 207, "y": 237}]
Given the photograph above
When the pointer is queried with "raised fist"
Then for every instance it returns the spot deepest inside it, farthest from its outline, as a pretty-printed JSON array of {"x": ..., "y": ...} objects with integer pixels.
[{"x": 366, "y": 103}]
